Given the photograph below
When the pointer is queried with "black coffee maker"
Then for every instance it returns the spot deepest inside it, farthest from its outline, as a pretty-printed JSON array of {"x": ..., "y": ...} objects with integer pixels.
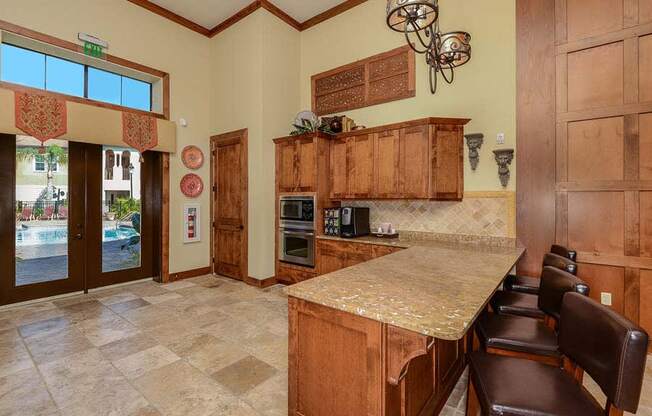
[{"x": 355, "y": 222}]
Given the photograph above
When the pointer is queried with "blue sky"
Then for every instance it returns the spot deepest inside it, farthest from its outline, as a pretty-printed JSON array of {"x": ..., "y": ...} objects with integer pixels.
[{"x": 34, "y": 69}]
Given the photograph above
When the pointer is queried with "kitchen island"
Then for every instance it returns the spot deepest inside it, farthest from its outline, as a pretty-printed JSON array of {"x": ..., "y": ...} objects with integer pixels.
[{"x": 389, "y": 336}]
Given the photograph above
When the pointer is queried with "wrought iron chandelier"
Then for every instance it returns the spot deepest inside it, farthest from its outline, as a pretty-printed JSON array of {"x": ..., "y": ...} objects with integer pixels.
[{"x": 418, "y": 20}]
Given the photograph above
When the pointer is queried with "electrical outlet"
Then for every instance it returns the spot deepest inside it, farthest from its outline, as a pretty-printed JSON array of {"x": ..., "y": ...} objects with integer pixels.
[
  {"x": 605, "y": 298},
  {"x": 500, "y": 138}
]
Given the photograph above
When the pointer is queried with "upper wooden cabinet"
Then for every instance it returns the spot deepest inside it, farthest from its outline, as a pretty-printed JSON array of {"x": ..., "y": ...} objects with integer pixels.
[
  {"x": 296, "y": 164},
  {"x": 420, "y": 159}
]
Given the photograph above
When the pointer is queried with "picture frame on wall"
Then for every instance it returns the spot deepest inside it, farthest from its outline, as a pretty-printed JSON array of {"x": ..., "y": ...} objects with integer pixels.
[{"x": 191, "y": 223}]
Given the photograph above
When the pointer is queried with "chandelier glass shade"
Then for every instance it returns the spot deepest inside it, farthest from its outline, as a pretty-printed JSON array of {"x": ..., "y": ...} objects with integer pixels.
[{"x": 418, "y": 20}]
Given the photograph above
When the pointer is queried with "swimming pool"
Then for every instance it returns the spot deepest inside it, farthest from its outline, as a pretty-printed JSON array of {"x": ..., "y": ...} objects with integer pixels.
[{"x": 37, "y": 236}]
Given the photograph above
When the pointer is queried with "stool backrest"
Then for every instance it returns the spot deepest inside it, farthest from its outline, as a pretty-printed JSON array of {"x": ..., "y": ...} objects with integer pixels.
[
  {"x": 559, "y": 262},
  {"x": 610, "y": 348},
  {"x": 564, "y": 252},
  {"x": 554, "y": 285}
]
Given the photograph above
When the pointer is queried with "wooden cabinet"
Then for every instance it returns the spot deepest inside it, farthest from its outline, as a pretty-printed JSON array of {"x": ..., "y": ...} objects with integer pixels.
[
  {"x": 334, "y": 255},
  {"x": 422, "y": 159},
  {"x": 296, "y": 164},
  {"x": 447, "y": 173},
  {"x": 289, "y": 275},
  {"x": 387, "y": 164},
  {"x": 351, "y": 167}
]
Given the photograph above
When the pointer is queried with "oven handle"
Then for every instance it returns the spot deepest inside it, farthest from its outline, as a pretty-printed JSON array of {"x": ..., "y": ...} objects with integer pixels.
[{"x": 298, "y": 233}]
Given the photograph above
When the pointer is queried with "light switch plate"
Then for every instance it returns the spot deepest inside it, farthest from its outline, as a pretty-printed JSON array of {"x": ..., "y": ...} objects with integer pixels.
[
  {"x": 605, "y": 298},
  {"x": 500, "y": 138}
]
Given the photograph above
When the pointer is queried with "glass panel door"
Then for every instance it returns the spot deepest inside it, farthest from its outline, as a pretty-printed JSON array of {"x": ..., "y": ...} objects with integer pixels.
[
  {"x": 41, "y": 218},
  {"x": 41, "y": 211}
]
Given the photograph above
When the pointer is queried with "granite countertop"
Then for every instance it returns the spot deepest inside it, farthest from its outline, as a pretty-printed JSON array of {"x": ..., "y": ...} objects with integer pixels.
[{"x": 432, "y": 287}]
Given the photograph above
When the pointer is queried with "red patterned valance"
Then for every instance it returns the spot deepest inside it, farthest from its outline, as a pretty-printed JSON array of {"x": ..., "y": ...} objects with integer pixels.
[
  {"x": 139, "y": 131},
  {"x": 42, "y": 116}
]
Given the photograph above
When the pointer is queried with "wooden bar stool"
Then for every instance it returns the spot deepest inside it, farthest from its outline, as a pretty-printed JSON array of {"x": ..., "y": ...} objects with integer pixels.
[
  {"x": 608, "y": 347},
  {"x": 527, "y": 284},
  {"x": 524, "y": 304},
  {"x": 518, "y": 336}
]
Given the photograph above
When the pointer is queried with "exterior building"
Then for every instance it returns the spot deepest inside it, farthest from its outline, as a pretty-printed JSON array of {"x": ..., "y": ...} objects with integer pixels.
[{"x": 121, "y": 174}]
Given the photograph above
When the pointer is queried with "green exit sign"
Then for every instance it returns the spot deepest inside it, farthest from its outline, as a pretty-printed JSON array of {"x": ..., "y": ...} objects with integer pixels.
[{"x": 93, "y": 50}]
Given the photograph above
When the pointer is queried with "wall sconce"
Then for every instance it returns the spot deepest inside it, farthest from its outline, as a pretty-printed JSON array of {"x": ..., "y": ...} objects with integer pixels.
[
  {"x": 474, "y": 143},
  {"x": 504, "y": 158}
]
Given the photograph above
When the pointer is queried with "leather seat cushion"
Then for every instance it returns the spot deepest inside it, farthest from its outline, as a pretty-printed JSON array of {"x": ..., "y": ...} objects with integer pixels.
[
  {"x": 522, "y": 284},
  {"x": 513, "y": 386},
  {"x": 517, "y": 333},
  {"x": 514, "y": 303}
]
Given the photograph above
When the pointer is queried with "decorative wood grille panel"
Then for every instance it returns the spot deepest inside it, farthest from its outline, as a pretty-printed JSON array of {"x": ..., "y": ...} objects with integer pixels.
[{"x": 378, "y": 79}]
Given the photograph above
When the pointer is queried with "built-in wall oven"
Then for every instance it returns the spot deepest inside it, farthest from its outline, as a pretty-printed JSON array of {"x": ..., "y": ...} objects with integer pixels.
[{"x": 297, "y": 230}]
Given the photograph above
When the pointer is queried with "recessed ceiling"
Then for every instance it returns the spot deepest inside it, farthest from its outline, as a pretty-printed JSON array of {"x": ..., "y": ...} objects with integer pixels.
[{"x": 210, "y": 13}]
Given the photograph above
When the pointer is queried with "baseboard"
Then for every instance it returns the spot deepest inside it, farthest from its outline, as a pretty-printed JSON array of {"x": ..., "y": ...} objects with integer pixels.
[
  {"x": 261, "y": 284},
  {"x": 190, "y": 273}
]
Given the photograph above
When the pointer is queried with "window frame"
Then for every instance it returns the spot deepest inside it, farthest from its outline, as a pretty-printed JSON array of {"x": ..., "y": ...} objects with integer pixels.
[
  {"x": 39, "y": 42},
  {"x": 55, "y": 166}
]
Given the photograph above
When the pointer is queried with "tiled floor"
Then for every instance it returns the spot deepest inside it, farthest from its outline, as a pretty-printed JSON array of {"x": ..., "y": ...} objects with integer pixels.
[{"x": 205, "y": 346}]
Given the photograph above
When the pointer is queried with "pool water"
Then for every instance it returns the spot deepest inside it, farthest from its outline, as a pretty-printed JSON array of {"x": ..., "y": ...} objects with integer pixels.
[{"x": 37, "y": 236}]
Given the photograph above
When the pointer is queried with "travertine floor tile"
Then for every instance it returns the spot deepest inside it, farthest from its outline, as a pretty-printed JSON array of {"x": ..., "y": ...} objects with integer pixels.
[
  {"x": 120, "y": 297},
  {"x": 44, "y": 328},
  {"x": 107, "y": 329},
  {"x": 62, "y": 344},
  {"x": 24, "y": 393},
  {"x": 206, "y": 352},
  {"x": 179, "y": 389},
  {"x": 127, "y": 346},
  {"x": 244, "y": 375},
  {"x": 14, "y": 358},
  {"x": 270, "y": 398},
  {"x": 181, "y": 284},
  {"x": 128, "y": 305},
  {"x": 136, "y": 365}
]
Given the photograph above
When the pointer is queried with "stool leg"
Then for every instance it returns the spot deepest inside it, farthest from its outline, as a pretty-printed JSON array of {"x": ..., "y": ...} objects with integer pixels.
[{"x": 472, "y": 403}]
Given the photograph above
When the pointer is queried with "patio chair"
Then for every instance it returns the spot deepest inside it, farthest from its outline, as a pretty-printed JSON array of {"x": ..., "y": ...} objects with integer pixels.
[
  {"x": 63, "y": 213},
  {"x": 48, "y": 213},
  {"x": 26, "y": 214}
]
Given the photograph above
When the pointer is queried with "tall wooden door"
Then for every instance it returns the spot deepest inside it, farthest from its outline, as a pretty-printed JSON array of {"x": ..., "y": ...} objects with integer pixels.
[
  {"x": 229, "y": 165},
  {"x": 585, "y": 90}
]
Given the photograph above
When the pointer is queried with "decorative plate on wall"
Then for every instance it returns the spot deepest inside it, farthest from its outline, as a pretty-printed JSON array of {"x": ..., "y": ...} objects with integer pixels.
[
  {"x": 192, "y": 157},
  {"x": 191, "y": 185}
]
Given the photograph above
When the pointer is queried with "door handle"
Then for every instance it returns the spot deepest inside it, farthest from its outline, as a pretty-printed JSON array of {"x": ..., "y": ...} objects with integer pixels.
[
  {"x": 78, "y": 236},
  {"x": 241, "y": 227}
]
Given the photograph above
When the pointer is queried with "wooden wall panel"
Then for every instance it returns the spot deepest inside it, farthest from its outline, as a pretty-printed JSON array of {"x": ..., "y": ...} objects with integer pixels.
[
  {"x": 602, "y": 141},
  {"x": 645, "y": 146},
  {"x": 606, "y": 16},
  {"x": 644, "y": 11},
  {"x": 645, "y": 68},
  {"x": 603, "y": 66},
  {"x": 595, "y": 149},
  {"x": 604, "y": 279},
  {"x": 646, "y": 224},
  {"x": 645, "y": 311},
  {"x": 596, "y": 222},
  {"x": 535, "y": 131}
]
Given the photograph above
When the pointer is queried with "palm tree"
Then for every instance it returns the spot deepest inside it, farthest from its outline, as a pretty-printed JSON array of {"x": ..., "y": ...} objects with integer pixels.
[{"x": 53, "y": 155}]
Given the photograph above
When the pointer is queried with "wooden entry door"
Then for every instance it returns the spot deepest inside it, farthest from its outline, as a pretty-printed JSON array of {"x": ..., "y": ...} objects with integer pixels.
[{"x": 229, "y": 204}]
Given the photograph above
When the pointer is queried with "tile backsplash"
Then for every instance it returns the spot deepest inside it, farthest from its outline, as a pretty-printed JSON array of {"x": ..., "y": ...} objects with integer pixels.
[{"x": 480, "y": 213}]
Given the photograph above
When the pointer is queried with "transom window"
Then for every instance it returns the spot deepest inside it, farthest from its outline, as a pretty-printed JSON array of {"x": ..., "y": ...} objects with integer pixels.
[{"x": 34, "y": 69}]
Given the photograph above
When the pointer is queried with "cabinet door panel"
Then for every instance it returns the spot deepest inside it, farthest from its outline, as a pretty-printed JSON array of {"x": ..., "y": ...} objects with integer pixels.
[
  {"x": 338, "y": 168},
  {"x": 448, "y": 176},
  {"x": 286, "y": 160},
  {"x": 307, "y": 166},
  {"x": 415, "y": 162},
  {"x": 360, "y": 166},
  {"x": 387, "y": 164}
]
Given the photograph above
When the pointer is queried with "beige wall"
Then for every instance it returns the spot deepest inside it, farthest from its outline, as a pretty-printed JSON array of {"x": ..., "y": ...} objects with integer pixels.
[
  {"x": 138, "y": 35},
  {"x": 255, "y": 76},
  {"x": 484, "y": 90}
]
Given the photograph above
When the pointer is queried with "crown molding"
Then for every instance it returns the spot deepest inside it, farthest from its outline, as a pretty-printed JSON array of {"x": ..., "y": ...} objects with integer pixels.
[{"x": 255, "y": 5}]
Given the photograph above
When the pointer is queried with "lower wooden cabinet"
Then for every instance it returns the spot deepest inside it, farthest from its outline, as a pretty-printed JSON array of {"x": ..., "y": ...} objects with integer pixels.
[
  {"x": 335, "y": 255},
  {"x": 288, "y": 275}
]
